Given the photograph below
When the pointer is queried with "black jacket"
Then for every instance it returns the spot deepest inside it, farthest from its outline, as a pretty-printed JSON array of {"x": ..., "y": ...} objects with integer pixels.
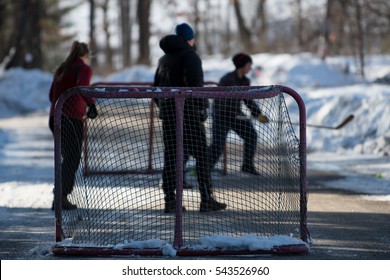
[
  {"x": 230, "y": 108},
  {"x": 180, "y": 66}
]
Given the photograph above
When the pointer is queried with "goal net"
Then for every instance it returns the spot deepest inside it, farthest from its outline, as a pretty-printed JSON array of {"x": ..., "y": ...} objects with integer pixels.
[{"x": 117, "y": 184}]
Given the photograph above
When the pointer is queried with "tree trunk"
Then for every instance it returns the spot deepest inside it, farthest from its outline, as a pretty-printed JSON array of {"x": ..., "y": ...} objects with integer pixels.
[
  {"x": 106, "y": 28},
  {"x": 3, "y": 15},
  {"x": 207, "y": 30},
  {"x": 126, "y": 31},
  {"x": 300, "y": 25},
  {"x": 143, "y": 13},
  {"x": 92, "y": 41},
  {"x": 261, "y": 25},
  {"x": 360, "y": 36},
  {"x": 27, "y": 35},
  {"x": 245, "y": 34}
]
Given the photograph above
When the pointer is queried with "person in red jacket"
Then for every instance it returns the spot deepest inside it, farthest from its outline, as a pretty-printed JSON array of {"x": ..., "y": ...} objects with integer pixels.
[{"x": 74, "y": 71}]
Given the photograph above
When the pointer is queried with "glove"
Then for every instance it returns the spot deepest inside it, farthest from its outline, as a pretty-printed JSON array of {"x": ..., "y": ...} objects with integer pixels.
[
  {"x": 92, "y": 112},
  {"x": 262, "y": 118}
]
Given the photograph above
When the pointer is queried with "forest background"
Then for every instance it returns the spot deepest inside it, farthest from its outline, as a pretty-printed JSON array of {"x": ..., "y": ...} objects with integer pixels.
[{"x": 122, "y": 33}]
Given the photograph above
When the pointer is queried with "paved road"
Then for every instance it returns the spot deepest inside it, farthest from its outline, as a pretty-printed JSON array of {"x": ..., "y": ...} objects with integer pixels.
[{"x": 343, "y": 225}]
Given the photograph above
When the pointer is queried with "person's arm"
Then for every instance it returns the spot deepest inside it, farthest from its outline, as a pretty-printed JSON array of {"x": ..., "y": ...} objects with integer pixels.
[
  {"x": 51, "y": 92},
  {"x": 84, "y": 76},
  {"x": 253, "y": 107},
  {"x": 84, "y": 79},
  {"x": 193, "y": 71},
  {"x": 193, "y": 77},
  {"x": 156, "y": 83},
  {"x": 255, "y": 110}
]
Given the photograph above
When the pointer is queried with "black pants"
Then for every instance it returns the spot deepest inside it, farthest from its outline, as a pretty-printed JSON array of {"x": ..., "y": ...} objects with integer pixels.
[
  {"x": 71, "y": 145},
  {"x": 244, "y": 129},
  {"x": 194, "y": 144}
]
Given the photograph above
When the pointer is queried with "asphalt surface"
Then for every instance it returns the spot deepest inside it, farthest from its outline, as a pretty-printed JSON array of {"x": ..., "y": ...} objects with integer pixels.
[{"x": 343, "y": 226}]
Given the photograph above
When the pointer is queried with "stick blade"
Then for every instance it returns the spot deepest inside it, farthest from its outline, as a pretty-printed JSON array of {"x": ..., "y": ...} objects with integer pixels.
[{"x": 346, "y": 121}]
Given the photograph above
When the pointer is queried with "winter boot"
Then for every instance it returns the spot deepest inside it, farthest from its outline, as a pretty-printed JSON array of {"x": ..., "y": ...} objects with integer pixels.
[
  {"x": 210, "y": 205},
  {"x": 250, "y": 169},
  {"x": 170, "y": 207},
  {"x": 67, "y": 205}
]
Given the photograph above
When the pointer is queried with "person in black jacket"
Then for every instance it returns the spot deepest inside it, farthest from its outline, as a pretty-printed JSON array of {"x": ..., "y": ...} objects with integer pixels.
[
  {"x": 227, "y": 115},
  {"x": 180, "y": 66}
]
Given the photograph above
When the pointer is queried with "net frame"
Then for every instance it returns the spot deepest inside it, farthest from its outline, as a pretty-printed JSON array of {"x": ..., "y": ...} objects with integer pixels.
[{"x": 180, "y": 94}]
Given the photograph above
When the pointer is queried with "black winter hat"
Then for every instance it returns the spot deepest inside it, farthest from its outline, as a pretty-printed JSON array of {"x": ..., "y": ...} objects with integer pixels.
[
  {"x": 185, "y": 31},
  {"x": 241, "y": 59}
]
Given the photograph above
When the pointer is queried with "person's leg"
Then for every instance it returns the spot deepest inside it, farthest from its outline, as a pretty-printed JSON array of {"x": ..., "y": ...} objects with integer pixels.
[
  {"x": 247, "y": 132},
  {"x": 51, "y": 124},
  {"x": 51, "y": 127},
  {"x": 196, "y": 143},
  {"x": 71, "y": 145},
  {"x": 169, "y": 170},
  {"x": 72, "y": 139},
  {"x": 186, "y": 186},
  {"x": 220, "y": 131}
]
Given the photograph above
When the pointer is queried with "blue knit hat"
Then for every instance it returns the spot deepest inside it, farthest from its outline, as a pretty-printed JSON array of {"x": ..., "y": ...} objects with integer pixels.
[{"x": 185, "y": 31}]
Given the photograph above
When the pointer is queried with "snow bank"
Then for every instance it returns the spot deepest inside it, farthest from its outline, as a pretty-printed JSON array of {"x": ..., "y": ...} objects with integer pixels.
[
  {"x": 330, "y": 93},
  {"x": 23, "y": 91},
  {"x": 249, "y": 242}
]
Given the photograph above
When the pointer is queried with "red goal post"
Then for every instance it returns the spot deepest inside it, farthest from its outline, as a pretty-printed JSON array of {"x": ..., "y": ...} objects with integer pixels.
[{"x": 121, "y": 214}]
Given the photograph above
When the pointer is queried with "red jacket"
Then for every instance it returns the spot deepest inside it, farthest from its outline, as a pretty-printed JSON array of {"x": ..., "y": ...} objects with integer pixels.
[{"x": 79, "y": 74}]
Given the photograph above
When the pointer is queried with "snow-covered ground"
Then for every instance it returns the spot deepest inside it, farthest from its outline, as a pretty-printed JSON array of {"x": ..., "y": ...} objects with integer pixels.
[
  {"x": 360, "y": 150},
  {"x": 330, "y": 94}
]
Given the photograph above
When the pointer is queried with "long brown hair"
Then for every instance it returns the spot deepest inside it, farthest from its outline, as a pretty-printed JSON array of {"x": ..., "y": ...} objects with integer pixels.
[{"x": 78, "y": 50}]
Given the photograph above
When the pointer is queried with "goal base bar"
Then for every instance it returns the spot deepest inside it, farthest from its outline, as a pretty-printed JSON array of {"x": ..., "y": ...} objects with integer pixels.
[{"x": 109, "y": 251}]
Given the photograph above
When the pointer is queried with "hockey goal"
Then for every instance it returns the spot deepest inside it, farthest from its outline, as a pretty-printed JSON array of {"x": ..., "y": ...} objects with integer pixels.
[{"x": 122, "y": 213}]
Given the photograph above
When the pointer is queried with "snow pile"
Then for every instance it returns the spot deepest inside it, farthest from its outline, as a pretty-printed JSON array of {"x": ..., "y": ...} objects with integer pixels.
[
  {"x": 330, "y": 90},
  {"x": 249, "y": 242},
  {"x": 166, "y": 249},
  {"x": 367, "y": 133},
  {"x": 303, "y": 70},
  {"x": 22, "y": 194},
  {"x": 23, "y": 91},
  {"x": 140, "y": 73}
]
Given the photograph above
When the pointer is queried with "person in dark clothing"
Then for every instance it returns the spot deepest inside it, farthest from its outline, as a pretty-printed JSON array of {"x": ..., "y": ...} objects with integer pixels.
[
  {"x": 180, "y": 66},
  {"x": 74, "y": 71},
  {"x": 227, "y": 115}
]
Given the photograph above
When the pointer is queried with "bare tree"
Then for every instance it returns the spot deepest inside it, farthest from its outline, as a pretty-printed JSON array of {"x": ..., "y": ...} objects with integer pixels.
[
  {"x": 378, "y": 22},
  {"x": 126, "y": 31},
  {"x": 360, "y": 36},
  {"x": 244, "y": 32},
  {"x": 143, "y": 13},
  {"x": 106, "y": 28},
  {"x": 92, "y": 41},
  {"x": 3, "y": 17},
  {"x": 26, "y": 39},
  {"x": 207, "y": 28},
  {"x": 260, "y": 22}
]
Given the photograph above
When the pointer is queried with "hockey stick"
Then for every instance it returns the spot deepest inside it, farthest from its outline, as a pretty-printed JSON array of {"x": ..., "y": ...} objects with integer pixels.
[{"x": 341, "y": 125}]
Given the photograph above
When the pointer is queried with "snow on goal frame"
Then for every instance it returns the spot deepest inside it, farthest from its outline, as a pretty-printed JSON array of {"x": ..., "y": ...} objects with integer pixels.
[{"x": 123, "y": 214}]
